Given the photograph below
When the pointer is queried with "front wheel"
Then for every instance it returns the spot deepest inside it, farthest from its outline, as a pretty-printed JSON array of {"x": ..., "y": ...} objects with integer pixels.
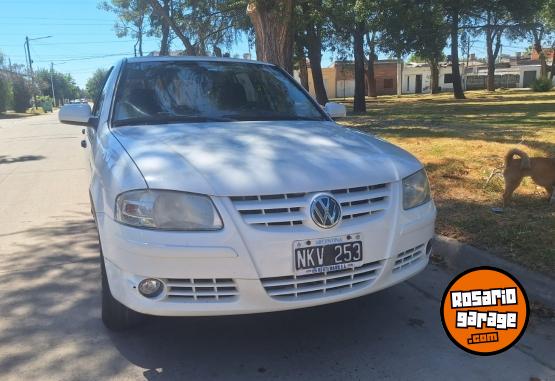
[{"x": 115, "y": 316}]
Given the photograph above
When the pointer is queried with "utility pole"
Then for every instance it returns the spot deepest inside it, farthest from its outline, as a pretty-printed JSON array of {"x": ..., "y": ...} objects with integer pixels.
[
  {"x": 30, "y": 62},
  {"x": 31, "y": 71},
  {"x": 52, "y": 82}
]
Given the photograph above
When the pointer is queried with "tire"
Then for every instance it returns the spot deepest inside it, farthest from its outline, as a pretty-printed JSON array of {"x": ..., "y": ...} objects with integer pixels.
[{"x": 115, "y": 316}]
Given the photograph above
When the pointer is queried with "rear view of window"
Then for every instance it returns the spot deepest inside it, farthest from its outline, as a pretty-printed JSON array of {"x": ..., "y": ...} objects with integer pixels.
[{"x": 152, "y": 92}]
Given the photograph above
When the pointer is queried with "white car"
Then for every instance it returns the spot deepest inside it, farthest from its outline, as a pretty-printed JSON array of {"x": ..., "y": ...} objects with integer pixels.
[{"x": 219, "y": 186}]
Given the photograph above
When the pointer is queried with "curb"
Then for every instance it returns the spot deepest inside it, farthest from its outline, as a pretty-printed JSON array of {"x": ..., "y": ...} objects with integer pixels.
[{"x": 455, "y": 257}]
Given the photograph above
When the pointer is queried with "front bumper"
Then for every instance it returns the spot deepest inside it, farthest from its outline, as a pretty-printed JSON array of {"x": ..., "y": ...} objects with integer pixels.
[{"x": 224, "y": 273}]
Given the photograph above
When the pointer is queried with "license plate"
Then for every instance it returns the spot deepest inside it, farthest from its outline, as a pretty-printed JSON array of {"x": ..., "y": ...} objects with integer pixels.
[{"x": 327, "y": 254}]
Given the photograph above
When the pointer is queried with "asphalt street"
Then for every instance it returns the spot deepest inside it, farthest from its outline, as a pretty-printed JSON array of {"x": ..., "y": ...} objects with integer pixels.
[{"x": 50, "y": 326}]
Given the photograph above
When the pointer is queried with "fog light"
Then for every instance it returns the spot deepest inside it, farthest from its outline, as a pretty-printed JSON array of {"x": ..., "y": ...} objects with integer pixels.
[{"x": 151, "y": 288}]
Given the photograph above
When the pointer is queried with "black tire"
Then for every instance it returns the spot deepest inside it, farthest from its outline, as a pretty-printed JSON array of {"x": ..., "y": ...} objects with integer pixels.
[{"x": 115, "y": 316}]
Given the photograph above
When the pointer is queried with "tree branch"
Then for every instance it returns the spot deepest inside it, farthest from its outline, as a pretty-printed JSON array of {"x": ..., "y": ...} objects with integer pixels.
[{"x": 166, "y": 19}]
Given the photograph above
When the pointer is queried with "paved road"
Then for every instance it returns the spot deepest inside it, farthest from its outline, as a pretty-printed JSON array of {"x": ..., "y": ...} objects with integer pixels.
[{"x": 49, "y": 303}]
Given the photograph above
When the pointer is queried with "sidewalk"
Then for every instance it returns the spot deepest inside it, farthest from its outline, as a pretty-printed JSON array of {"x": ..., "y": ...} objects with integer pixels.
[{"x": 455, "y": 257}]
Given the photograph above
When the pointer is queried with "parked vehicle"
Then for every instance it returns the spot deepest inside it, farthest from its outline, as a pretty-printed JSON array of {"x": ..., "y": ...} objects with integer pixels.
[{"x": 219, "y": 186}]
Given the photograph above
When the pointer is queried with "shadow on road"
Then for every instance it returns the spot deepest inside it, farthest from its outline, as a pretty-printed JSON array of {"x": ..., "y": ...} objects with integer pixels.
[
  {"x": 19, "y": 159},
  {"x": 51, "y": 328}
]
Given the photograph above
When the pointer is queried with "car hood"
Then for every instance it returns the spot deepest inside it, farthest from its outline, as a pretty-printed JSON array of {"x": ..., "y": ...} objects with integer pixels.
[{"x": 256, "y": 158}]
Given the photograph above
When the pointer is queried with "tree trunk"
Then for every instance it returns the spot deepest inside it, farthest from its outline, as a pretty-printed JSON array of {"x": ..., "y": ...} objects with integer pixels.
[
  {"x": 456, "y": 72},
  {"x": 493, "y": 35},
  {"x": 371, "y": 58},
  {"x": 553, "y": 62},
  {"x": 165, "y": 42},
  {"x": 303, "y": 69},
  {"x": 434, "y": 68},
  {"x": 274, "y": 32},
  {"x": 314, "y": 46},
  {"x": 543, "y": 62},
  {"x": 360, "y": 98},
  {"x": 140, "y": 40},
  {"x": 491, "y": 60}
]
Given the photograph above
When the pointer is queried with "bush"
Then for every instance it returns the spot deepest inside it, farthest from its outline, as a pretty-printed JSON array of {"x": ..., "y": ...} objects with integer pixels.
[
  {"x": 21, "y": 94},
  {"x": 35, "y": 110},
  {"x": 6, "y": 93},
  {"x": 542, "y": 85}
]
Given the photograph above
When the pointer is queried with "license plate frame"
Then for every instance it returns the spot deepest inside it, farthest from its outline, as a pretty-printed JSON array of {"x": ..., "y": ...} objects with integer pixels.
[{"x": 315, "y": 256}]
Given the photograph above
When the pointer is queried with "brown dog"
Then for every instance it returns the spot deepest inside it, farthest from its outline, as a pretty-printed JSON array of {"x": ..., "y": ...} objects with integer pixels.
[{"x": 540, "y": 169}]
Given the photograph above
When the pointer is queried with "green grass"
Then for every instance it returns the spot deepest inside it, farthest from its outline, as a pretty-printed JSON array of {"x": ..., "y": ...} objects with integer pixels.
[{"x": 460, "y": 143}]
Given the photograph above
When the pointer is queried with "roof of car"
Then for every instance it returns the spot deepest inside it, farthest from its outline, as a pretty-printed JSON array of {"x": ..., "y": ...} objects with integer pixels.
[{"x": 191, "y": 58}]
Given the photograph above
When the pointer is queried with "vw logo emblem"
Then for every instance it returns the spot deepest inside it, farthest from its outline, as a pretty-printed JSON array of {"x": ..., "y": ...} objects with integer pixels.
[{"x": 325, "y": 211}]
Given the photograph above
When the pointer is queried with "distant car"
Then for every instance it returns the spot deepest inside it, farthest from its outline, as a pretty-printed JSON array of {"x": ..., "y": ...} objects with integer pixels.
[{"x": 219, "y": 186}]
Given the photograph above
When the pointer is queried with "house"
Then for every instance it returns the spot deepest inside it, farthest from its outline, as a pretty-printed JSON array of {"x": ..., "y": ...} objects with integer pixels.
[
  {"x": 339, "y": 78},
  {"x": 511, "y": 72},
  {"x": 417, "y": 78},
  {"x": 523, "y": 74}
]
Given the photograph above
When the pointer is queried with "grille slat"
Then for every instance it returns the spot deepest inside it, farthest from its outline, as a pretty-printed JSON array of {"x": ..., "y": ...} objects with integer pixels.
[
  {"x": 348, "y": 281},
  {"x": 361, "y": 196},
  {"x": 311, "y": 286},
  {"x": 201, "y": 290},
  {"x": 298, "y": 202},
  {"x": 408, "y": 257},
  {"x": 269, "y": 218},
  {"x": 364, "y": 208},
  {"x": 292, "y": 209},
  {"x": 203, "y": 293}
]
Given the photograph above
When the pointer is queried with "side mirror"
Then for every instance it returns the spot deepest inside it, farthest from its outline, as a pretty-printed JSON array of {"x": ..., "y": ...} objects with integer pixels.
[
  {"x": 78, "y": 114},
  {"x": 336, "y": 110}
]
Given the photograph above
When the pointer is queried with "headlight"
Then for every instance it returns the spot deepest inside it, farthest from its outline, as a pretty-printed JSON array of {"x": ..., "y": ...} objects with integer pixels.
[
  {"x": 167, "y": 210},
  {"x": 416, "y": 190}
]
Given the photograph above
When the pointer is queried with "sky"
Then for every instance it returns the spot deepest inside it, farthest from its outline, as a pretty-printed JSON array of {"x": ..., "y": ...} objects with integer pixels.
[{"x": 83, "y": 38}]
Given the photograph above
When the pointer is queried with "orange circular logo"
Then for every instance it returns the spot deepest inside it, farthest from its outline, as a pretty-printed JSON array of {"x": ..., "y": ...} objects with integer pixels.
[{"x": 485, "y": 310}]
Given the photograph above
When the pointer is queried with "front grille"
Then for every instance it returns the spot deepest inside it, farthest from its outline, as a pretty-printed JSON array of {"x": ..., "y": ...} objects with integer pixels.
[
  {"x": 290, "y": 209},
  {"x": 409, "y": 257},
  {"x": 303, "y": 287},
  {"x": 201, "y": 290}
]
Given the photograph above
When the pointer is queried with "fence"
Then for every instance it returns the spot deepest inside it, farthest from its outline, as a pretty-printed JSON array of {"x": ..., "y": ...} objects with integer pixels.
[{"x": 479, "y": 82}]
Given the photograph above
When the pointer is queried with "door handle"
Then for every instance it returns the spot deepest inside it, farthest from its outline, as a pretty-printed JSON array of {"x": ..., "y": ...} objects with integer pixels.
[{"x": 83, "y": 144}]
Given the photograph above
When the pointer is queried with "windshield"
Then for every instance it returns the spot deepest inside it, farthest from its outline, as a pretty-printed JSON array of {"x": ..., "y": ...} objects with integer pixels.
[{"x": 197, "y": 91}]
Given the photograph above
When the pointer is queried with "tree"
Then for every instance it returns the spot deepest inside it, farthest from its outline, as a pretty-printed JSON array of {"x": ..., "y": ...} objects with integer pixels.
[
  {"x": 430, "y": 37},
  {"x": 6, "y": 93},
  {"x": 95, "y": 83},
  {"x": 272, "y": 22},
  {"x": 538, "y": 23},
  {"x": 64, "y": 85},
  {"x": 311, "y": 24},
  {"x": 131, "y": 19},
  {"x": 349, "y": 20},
  {"x": 397, "y": 37},
  {"x": 21, "y": 94},
  {"x": 202, "y": 26},
  {"x": 495, "y": 19},
  {"x": 455, "y": 12},
  {"x": 300, "y": 60}
]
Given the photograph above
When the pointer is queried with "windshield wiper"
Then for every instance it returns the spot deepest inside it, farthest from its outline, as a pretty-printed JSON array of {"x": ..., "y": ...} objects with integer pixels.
[
  {"x": 166, "y": 119},
  {"x": 263, "y": 117}
]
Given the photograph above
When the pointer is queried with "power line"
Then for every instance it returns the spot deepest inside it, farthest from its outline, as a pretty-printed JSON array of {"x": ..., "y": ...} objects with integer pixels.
[
  {"x": 63, "y": 61},
  {"x": 74, "y": 43}
]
